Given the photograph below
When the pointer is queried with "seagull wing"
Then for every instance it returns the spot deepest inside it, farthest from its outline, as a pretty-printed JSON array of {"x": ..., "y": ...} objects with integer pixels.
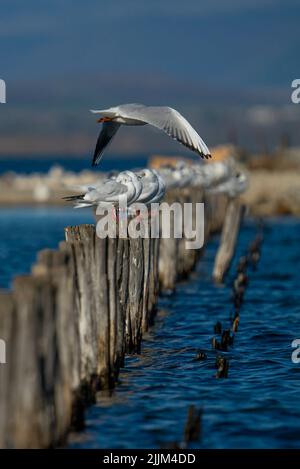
[
  {"x": 107, "y": 133},
  {"x": 150, "y": 189},
  {"x": 108, "y": 192},
  {"x": 170, "y": 121}
]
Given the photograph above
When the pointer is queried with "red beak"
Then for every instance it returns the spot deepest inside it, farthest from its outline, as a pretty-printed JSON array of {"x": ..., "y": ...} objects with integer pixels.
[{"x": 103, "y": 119}]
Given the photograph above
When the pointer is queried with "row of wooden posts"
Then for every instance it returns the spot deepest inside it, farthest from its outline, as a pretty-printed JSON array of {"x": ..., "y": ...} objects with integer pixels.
[{"x": 68, "y": 325}]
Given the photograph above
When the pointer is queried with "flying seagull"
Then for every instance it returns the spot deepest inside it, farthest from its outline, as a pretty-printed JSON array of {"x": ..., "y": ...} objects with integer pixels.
[{"x": 164, "y": 118}]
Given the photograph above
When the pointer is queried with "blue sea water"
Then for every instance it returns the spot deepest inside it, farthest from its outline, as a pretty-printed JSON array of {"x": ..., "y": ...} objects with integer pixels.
[
  {"x": 26, "y": 230},
  {"x": 257, "y": 406},
  {"x": 42, "y": 165}
]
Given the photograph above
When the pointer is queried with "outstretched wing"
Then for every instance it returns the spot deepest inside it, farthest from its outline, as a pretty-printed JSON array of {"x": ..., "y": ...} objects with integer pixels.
[
  {"x": 170, "y": 121},
  {"x": 108, "y": 131}
]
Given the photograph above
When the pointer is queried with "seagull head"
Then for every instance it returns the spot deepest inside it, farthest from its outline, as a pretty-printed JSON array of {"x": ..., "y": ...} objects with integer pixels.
[
  {"x": 104, "y": 119},
  {"x": 145, "y": 173}
]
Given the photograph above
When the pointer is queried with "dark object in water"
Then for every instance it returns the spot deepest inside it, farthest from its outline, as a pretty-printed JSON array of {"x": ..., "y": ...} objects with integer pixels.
[
  {"x": 235, "y": 324},
  {"x": 218, "y": 328},
  {"x": 192, "y": 428},
  {"x": 219, "y": 345},
  {"x": 222, "y": 365},
  {"x": 254, "y": 250},
  {"x": 200, "y": 355},
  {"x": 227, "y": 338},
  {"x": 242, "y": 265},
  {"x": 238, "y": 294},
  {"x": 240, "y": 283},
  {"x": 255, "y": 256},
  {"x": 243, "y": 279},
  {"x": 218, "y": 361},
  {"x": 256, "y": 244},
  {"x": 237, "y": 301}
]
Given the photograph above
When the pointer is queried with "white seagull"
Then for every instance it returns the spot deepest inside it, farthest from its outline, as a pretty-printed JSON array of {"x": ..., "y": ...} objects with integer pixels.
[
  {"x": 164, "y": 118},
  {"x": 153, "y": 185},
  {"x": 235, "y": 186},
  {"x": 180, "y": 175},
  {"x": 109, "y": 191},
  {"x": 161, "y": 188},
  {"x": 209, "y": 175}
]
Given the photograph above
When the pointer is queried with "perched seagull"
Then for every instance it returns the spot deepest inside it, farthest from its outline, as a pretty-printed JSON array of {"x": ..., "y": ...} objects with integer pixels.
[
  {"x": 153, "y": 186},
  {"x": 209, "y": 175},
  {"x": 161, "y": 188},
  {"x": 235, "y": 186},
  {"x": 180, "y": 175},
  {"x": 109, "y": 191},
  {"x": 164, "y": 118},
  {"x": 183, "y": 174}
]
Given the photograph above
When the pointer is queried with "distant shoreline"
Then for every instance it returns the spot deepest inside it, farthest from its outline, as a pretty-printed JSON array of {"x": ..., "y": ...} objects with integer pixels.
[
  {"x": 31, "y": 164},
  {"x": 270, "y": 193}
]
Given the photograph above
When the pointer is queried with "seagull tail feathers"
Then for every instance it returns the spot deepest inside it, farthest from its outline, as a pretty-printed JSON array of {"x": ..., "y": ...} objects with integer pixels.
[
  {"x": 97, "y": 158},
  {"x": 78, "y": 200}
]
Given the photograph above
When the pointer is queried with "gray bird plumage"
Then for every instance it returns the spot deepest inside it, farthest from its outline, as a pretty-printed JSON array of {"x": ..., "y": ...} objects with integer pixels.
[{"x": 164, "y": 118}]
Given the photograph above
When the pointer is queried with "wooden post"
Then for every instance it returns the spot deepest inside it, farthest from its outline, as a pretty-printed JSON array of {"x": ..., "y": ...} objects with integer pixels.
[
  {"x": 216, "y": 205},
  {"x": 68, "y": 325},
  {"x": 135, "y": 297},
  {"x": 147, "y": 245},
  {"x": 122, "y": 277},
  {"x": 83, "y": 238},
  {"x": 7, "y": 317},
  {"x": 168, "y": 252},
  {"x": 175, "y": 261},
  {"x": 228, "y": 239},
  {"x": 34, "y": 369},
  {"x": 153, "y": 282}
]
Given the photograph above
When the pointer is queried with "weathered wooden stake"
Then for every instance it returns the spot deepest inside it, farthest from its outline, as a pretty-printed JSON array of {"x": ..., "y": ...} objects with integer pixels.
[
  {"x": 228, "y": 239},
  {"x": 68, "y": 325}
]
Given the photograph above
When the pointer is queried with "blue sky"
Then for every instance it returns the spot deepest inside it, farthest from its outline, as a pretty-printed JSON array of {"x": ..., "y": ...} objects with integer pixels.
[
  {"x": 212, "y": 60},
  {"x": 226, "y": 42}
]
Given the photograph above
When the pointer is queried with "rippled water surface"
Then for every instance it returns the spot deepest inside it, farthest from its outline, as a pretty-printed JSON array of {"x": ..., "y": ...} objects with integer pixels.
[
  {"x": 26, "y": 230},
  {"x": 256, "y": 407}
]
